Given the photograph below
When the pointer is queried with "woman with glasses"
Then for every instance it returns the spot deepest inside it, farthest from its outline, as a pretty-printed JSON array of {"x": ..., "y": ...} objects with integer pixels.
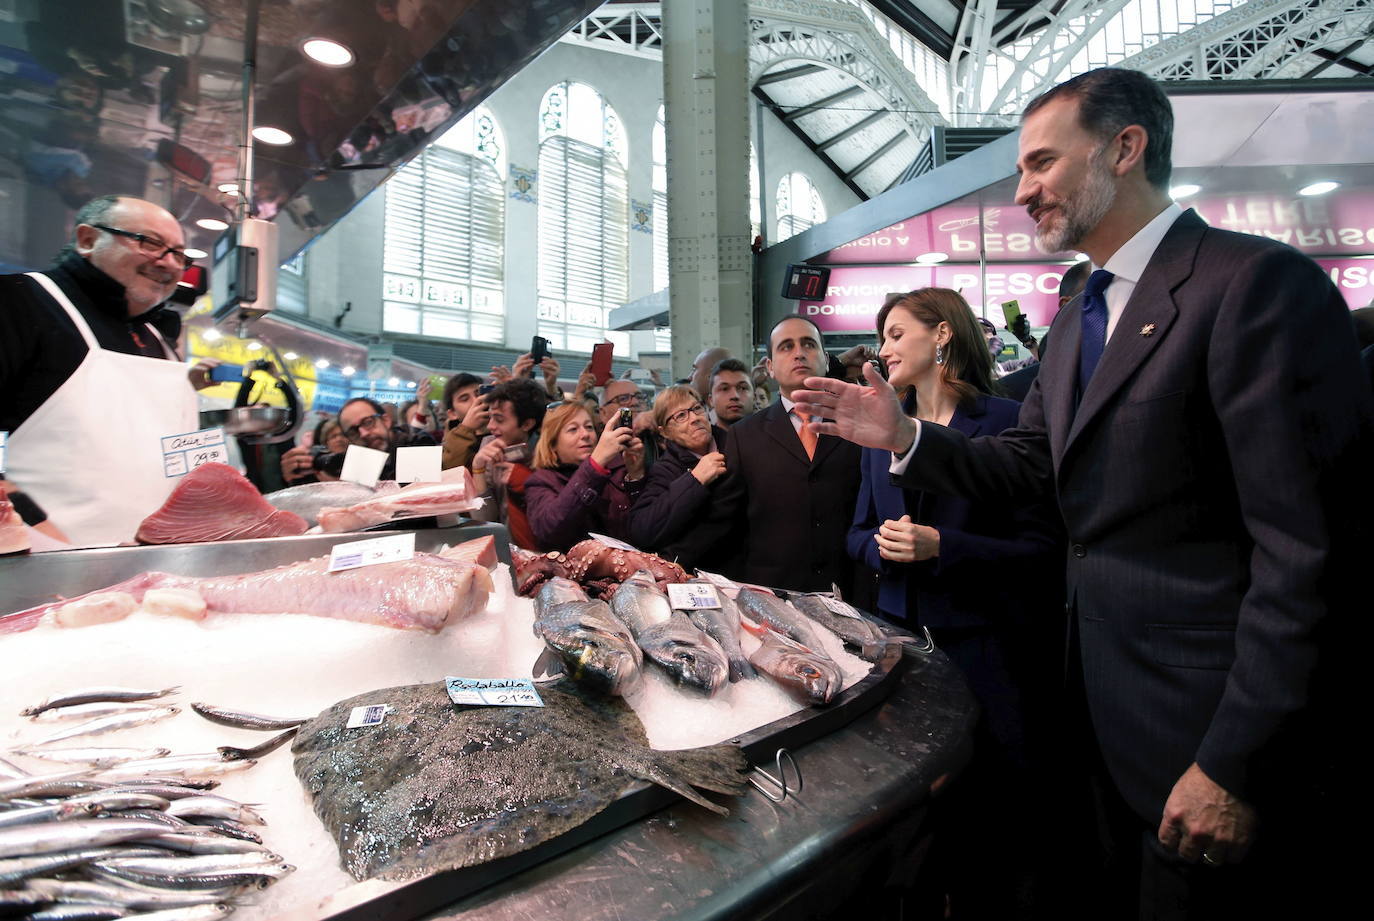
[
  {"x": 681, "y": 483},
  {"x": 583, "y": 481}
]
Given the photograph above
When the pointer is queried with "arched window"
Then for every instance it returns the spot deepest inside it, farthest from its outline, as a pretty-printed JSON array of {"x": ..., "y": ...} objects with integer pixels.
[
  {"x": 799, "y": 205},
  {"x": 443, "y": 254},
  {"x": 584, "y": 220}
]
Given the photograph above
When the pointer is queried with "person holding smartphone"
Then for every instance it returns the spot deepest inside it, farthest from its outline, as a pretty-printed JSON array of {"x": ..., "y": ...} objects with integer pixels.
[
  {"x": 502, "y": 464},
  {"x": 582, "y": 482}
]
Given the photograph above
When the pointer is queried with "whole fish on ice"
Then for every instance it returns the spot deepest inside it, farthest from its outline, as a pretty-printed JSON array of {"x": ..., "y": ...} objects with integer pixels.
[
  {"x": 307, "y": 499},
  {"x": 722, "y": 624},
  {"x": 596, "y": 649},
  {"x": 667, "y": 637}
]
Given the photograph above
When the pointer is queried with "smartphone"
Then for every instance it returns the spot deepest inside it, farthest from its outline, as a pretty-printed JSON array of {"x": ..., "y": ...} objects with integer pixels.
[
  {"x": 601, "y": 362},
  {"x": 516, "y": 454},
  {"x": 230, "y": 373},
  {"x": 627, "y": 419},
  {"x": 1010, "y": 311},
  {"x": 485, "y": 389},
  {"x": 539, "y": 349}
]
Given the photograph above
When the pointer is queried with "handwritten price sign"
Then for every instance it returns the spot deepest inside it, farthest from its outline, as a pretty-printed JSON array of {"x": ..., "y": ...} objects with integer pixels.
[
  {"x": 493, "y": 692},
  {"x": 183, "y": 453}
]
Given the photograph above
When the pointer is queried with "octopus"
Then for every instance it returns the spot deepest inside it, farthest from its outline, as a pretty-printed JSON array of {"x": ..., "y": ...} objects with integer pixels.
[
  {"x": 534, "y": 569},
  {"x": 601, "y": 568}
]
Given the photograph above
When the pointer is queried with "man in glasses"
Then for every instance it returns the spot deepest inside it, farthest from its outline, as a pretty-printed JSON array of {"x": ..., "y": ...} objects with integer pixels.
[
  {"x": 624, "y": 394},
  {"x": 90, "y": 372},
  {"x": 367, "y": 424}
]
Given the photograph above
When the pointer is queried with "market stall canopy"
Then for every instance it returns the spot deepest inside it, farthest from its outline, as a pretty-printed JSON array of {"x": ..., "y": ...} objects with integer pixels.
[{"x": 144, "y": 98}]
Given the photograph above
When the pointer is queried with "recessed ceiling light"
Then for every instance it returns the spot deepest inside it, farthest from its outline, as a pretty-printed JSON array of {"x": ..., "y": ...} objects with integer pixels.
[
  {"x": 1319, "y": 188},
  {"x": 1081, "y": 257},
  {"x": 195, "y": 253},
  {"x": 274, "y": 136},
  {"x": 328, "y": 52},
  {"x": 322, "y": 363},
  {"x": 410, "y": 384},
  {"x": 931, "y": 258},
  {"x": 210, "y": 335},
  {"x": 254, "y": 346},
  {"x": 212, "y": 223},
  {"x": 1186, "y": 190},
  {"x": 393, "y": 381},
  {"x": 291, "y": 356},
  {"x": 348, "y": 370}
]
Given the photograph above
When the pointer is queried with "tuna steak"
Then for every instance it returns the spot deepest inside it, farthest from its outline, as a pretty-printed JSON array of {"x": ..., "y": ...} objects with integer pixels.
[
  {"x": 216, "y": 502},
  {"x": 437, "y": 786}
]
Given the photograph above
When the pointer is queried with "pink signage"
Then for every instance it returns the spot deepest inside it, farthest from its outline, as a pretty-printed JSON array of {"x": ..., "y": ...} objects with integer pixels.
[
  {"x": 855, "y": 293},
  {"x": 1328, "y": 225}
]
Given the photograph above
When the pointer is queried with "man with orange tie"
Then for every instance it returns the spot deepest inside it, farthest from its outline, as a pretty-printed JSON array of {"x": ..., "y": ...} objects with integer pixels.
[{"x": 788, "y": 495}]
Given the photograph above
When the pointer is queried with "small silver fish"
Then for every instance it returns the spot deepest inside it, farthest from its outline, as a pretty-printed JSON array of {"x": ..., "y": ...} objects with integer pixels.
[
  {"x": 215, "y": 807},
  {"x": 106, "y": 894},
  {"x": 69, "y": 836},
  {"x": 25, "y": 786},
  {"x": 92, "y": 757},
  {"x": 210, "y": 912},
  {"x": 208, "y": 844},
  {"x": 92, "y": 695},
  {"x": 57, "y": 812},
  {"x": 185, "y": 766},
  {"x": 110, "y": 724},
  {"x": 14, "y": 869},
  {"x": 89, "y": 711},
  {"x": 229, "y": 753}
]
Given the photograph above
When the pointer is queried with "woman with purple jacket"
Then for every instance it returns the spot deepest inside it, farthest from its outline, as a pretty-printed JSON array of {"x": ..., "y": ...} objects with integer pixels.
[{"x": 582, "y": 482}]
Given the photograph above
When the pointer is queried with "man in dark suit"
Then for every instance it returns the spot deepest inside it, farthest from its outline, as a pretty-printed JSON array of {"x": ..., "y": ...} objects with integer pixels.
[
  {"x": 785, "y": 506},
  {"x": 1202, "y": 424}
]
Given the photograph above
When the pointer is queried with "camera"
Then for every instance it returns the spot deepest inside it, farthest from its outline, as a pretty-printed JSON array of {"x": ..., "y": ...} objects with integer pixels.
[
  {"x": 325, "y": 460},
  {"x": 485, "y": 389},
  {"x": 627, "y": 419},
  {"x": 516, "y": 454}
]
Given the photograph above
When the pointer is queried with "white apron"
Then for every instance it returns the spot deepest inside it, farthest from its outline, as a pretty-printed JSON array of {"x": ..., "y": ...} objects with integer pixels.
[{"x": 91, "y": 455}]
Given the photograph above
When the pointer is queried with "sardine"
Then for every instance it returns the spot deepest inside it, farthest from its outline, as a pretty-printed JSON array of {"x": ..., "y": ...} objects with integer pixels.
[
  {"x": 211, "y": 912},
  {"x": 105, "y": 801},
  {"x": 229, "y": 753},
  {"x": 811, "y": 676},
  {"x": 772, "y": 611},
  {"x": 240, "y": 720},
  {"x": 59, "y": 890},
  {"x": 264, "y": 862},
  {"x": 856, "y": 631},
  {"x": 594, "y": 647},
  {"x": 667, "y": 637},
  {"x": 228, "y": 828},
  {"x": 257, "y": 878},
  {"x": 92, "y": 695},
  {"x": 51, "y": 837},
  {"x": 14, "y": 869},
  {"x": 206, "y": 844},
  {"x": 90, "y": 711},
  {"x": 25, "y": 786},
  {"x": 722, "y": 625},
  {"x": 92, "y": 757},
  {"x": 187, "y": 766},
  {"x": 110, "y": 724},
  {"x": 215, "y": 807},
  {"x": 57, "y": 812}
]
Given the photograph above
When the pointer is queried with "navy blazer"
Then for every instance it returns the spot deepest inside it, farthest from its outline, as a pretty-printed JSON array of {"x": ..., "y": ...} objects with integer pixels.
[{"x": 990, "y": 553}]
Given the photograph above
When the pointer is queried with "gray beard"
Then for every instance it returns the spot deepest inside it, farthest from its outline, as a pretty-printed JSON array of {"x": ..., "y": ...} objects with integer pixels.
[{"x": 1079, "y": 215}]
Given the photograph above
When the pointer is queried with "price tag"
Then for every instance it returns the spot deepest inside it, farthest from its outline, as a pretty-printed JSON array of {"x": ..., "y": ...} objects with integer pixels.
[
  {"x": 371, "y": 715},
  {"x": 370, "y": 552},
  {"x": 842, "y": 608},
  {"x": 419, "y": 464},
  {"x": 4, "y": 441},
  {"x": 612, "y": 542},
  {"x": 363, "y": 465},
  {"x": 493, "y": 692},
  {"x": 692, "y": 596},
  {"x": 183, "y": 453}
]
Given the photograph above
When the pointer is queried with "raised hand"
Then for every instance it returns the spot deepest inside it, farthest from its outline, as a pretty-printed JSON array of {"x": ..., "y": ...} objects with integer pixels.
[{"x": 869, "y": 416}]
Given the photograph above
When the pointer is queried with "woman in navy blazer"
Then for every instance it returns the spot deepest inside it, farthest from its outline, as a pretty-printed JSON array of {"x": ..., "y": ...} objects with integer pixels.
[{"x": 982, "y": 578}]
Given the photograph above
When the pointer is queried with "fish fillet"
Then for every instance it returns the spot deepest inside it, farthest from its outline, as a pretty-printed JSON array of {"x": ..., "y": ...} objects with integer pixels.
[
  {"x": 480, "y": 550},
  {"x": 456, "y": 494},
  {"x": 216, "y": 502},
  {"x": 425, "y": 592}
]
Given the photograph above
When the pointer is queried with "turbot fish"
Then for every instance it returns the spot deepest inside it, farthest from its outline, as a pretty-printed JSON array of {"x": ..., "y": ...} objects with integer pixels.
[
  {"x": 592, "y": 646},
  {"x": 856, "y": 631},
  {"x": 722, "y": 625},
  {"x": 435, "y": 787},
  {"x": 668, "y": 637},
  {"x": 810, "y": 676}
]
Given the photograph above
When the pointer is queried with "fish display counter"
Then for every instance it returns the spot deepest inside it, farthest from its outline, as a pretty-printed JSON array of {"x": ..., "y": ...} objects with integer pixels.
[{"x": 644, "y": 797}]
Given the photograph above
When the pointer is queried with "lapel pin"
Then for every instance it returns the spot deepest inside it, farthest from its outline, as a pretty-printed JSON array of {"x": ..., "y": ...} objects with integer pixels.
[{"x": 1147, "y": 330}]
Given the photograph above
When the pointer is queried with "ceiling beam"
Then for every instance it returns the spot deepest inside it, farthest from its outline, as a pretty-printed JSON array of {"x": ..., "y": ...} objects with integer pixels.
[
  {"x": 920, "y": 26},
  {"x": 854, "y": 129},
  {"x": 1339, "y": 57},
  {"x": 790, "y": 73},
  {"x": 876, "y": 155},
  {"x": 805, "y": 138},
  {"x": 825, "y": 103}
]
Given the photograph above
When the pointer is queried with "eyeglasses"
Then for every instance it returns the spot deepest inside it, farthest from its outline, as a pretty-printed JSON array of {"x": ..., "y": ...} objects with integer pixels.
[
  {"x": 150, "y": 246},
  {"x": 366, "y": 422},
  {"x": 625, "y": 399},
  {"x": 696, "y": 409}
]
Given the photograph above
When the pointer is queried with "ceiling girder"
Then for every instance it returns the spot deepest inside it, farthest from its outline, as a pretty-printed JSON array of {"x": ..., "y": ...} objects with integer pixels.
[
  {"x": 876, "y": 155},
  {"x": 853, "y": 129}
]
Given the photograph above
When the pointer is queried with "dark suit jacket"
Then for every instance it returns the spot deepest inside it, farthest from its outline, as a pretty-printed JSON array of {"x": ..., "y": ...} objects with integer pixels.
[
  {"x": 780, "y": 519},
  {"x": 1205, "y": 482},
  {"x": 672, "y": 502},
  {"x": 991, "y": 553}
]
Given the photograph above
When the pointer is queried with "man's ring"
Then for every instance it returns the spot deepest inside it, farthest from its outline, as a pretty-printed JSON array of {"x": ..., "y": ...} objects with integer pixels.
[{"x": 1208, "y": 859}]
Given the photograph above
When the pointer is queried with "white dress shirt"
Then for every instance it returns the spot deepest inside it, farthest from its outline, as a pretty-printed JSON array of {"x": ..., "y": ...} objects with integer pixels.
[{"x": 1127, "y": 264}]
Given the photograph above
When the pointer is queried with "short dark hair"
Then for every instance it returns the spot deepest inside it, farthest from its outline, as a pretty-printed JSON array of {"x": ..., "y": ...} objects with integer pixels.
[
  {"x": 376, "y": 407},
  {"x": 1075, "y": 278},
  {"x": 456, "y": 383},
  {"x": 528, "y": 399},
  {"x": 728, "y": 364},
  {"x": 95, "y": 211},
  {"x": 1111, "y": 98},
  {"x": 768, "y": 340}
]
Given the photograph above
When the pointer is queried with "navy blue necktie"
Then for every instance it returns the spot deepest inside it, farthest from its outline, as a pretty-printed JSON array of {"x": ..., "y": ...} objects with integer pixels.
[{"x": 1094, "y": 325}]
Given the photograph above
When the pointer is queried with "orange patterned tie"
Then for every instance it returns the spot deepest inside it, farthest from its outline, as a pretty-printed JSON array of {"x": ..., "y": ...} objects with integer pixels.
[{"x": 808, "y": 437}]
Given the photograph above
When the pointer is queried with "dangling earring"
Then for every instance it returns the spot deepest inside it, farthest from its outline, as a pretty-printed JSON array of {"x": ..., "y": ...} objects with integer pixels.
[{"x": 939, "y": 354}]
